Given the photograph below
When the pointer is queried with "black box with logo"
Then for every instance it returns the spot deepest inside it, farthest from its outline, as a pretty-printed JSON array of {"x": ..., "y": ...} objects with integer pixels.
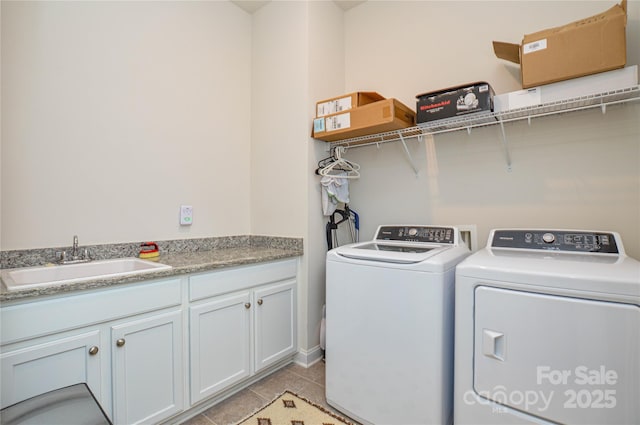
[{"x": 454, "y": 102}]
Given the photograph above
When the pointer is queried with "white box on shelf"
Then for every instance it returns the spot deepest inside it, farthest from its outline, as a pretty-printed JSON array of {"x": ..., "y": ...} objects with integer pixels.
[{"x": 570, "y": 89}]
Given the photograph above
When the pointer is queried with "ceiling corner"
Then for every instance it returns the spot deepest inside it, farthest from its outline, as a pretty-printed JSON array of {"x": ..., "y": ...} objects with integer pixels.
[
  {"x": 249, "y": 6},
  {"x": 348, "y": 4}
]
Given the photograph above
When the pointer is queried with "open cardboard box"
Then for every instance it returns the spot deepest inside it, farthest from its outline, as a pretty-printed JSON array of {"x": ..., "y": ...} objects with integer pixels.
[{"x": 584, "y": 47}]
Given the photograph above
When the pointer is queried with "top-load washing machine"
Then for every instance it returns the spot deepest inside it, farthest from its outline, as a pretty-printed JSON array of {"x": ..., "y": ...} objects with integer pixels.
[
  {"x": 389, "y": 325},
  {"x": 548, "y": 330}
]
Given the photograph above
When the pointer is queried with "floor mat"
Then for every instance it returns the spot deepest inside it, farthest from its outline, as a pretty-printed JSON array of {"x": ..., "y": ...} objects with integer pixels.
[{"x": 291, "y": 409}]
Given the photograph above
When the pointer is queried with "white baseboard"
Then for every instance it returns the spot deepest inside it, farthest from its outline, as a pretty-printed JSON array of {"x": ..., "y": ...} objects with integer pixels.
[{"x": 307, "y": 358}]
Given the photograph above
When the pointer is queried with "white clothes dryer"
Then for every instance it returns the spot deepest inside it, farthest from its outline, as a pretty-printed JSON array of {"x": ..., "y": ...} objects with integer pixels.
[
  {"x": 389, "y": 325},
  {"x": 548, "y": 330}
]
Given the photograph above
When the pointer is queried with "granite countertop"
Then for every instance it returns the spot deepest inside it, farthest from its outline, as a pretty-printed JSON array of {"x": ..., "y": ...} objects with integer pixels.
[{"x": 182, "y": 262}]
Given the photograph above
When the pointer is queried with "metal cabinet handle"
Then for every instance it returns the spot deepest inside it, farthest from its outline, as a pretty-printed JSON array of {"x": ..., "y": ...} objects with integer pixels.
[
  {"x": 260, "y": 301},
  {"x": 247, "y": 305},
  {"x": 93, "y": 350},
  {"x": 120, "y": 342}
]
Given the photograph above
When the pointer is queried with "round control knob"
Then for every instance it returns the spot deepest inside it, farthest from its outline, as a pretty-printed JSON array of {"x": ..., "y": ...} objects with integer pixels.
[
  {"x": 548, "y": 238},
  {"x": 413, "y": 232}
]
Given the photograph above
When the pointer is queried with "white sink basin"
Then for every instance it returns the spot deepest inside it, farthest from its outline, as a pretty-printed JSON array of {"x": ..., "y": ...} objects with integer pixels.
[{"x": 41, "y": 276}]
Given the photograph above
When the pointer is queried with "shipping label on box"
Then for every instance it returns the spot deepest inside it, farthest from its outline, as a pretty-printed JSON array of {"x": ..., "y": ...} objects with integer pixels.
[
  {"x": 534, "y": 46},
  {"x": 333, "y": 106},
  {"x": 454, "y": 101},
  {"x": 337, "y": 122},
  {"x": 318, "y": 125},
  {"x": 345, "y": 102}
]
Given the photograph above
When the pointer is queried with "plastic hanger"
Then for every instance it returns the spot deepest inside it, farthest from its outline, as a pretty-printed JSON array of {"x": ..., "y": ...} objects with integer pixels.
[{"x": 340, "y": 165}]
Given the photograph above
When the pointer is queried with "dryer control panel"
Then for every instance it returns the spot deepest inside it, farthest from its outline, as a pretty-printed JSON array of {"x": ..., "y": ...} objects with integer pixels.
[
  {"x": 428, "y": 234},
  {"x": 556, "y": 240}
]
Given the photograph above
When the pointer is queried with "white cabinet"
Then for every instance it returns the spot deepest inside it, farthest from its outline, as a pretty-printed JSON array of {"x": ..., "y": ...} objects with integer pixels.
[
  {"x": 130, "y": 344},
  {"x": 56, "y": 342},
  {"x": 275, "y": 323},
  {"x": 242, "y": 320},
  {"x": 46, "y": 366},
  {"x": 147, "y": 368},
  {"x": 220, "y": 344}
]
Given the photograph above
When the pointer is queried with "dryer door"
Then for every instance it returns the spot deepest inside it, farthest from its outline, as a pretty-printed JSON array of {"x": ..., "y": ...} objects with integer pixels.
[{"x": 567, "y": 360}]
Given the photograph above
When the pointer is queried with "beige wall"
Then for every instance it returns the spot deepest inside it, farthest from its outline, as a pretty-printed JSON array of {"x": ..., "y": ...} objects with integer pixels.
[
  {"x": 116, "y": 113},
  {"x": 279, "y": 123},
  {"x": 294, "y": 59},
  {"x": 577, "y": 170},
  {"x": 326, "y": 65},
  {"x": 278, "y": 179}
]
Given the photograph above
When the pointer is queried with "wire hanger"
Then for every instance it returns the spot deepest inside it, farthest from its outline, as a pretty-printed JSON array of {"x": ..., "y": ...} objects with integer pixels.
[{"x": 340, "y": 165}]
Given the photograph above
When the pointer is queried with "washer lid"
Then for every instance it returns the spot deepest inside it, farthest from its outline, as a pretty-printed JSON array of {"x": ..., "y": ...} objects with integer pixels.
[
  {"x": 409, "y": 244},
  {"x": 390, "y": 251}
]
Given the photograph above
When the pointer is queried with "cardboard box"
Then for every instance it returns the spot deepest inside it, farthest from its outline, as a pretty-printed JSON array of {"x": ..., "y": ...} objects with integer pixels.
[
  {"x": 584, "y": 47},
  {"x": 345, "y": 102},
  {"x": 377, "y": 117},
  {"x": 454, "y": 101},
  {"x": 565, "y": 90}
]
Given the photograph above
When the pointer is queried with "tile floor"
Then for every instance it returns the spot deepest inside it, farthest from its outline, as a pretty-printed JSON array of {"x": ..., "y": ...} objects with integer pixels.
[{"x": 306, "y": 382}]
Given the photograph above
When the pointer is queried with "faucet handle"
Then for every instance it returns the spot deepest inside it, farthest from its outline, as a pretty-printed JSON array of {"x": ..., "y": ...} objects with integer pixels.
[
  {"x": 62, "y": 256},
  {"x": 86, "y": 254}
]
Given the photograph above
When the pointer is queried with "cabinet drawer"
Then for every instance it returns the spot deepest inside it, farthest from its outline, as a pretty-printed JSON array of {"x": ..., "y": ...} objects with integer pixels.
[
  {"x": 234, "y": 279},
  {"x": 37, "y": 318}
]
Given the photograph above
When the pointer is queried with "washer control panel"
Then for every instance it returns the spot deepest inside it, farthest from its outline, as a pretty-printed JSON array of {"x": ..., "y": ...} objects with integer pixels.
[
  {"x": 556, "y": 240},
  {"x": 429, "y": 234}
]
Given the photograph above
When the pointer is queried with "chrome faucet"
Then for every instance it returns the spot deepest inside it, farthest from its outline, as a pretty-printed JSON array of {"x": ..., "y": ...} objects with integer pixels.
[{"x": 75, "y": 257}]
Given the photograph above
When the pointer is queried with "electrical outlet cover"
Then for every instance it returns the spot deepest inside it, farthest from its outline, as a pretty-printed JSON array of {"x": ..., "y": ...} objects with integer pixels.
[{"x": 186, "y": 215}]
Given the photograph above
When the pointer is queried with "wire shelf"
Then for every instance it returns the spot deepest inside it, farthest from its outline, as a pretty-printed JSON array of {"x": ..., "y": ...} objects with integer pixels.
[{"x": 468, "y": 122}]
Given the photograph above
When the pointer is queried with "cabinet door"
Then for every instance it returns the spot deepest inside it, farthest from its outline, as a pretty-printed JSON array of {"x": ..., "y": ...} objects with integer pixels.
[
  {"x": 275, "y": 323},
  {"x": 220, "y": 344},
  {"x": 44, "y": 367},
  {"x": 147, "y": 369}
]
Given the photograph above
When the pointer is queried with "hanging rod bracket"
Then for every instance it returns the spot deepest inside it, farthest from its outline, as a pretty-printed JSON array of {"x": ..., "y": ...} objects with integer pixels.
[
  {"x": 505, "y": 146},
  {"x": 409, "y": 157}
]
